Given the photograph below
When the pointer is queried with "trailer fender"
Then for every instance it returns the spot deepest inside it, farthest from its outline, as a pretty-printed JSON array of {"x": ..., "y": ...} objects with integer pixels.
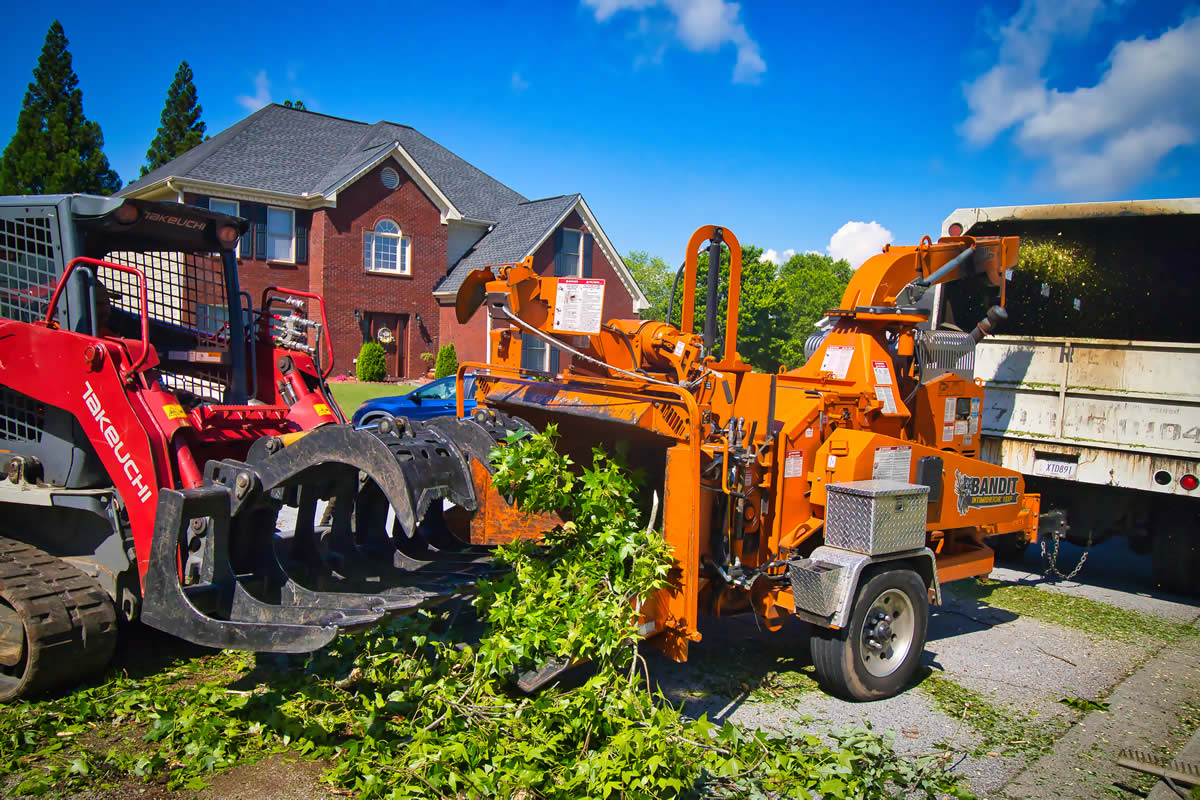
[{"x": 825, "y": 584}]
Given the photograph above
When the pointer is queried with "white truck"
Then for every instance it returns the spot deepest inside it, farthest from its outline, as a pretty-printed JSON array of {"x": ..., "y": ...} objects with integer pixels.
[{"x": 1107, "y": 429}]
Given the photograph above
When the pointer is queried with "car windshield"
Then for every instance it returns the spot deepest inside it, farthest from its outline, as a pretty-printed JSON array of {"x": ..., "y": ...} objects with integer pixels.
[{"x": 444, "y": 390}]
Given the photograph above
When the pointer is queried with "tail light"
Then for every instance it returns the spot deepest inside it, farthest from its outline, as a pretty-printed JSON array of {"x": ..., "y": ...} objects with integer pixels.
[{"x": 1189, "y": 482}]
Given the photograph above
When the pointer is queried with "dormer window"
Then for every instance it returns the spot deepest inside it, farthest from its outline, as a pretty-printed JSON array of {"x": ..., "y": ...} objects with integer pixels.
[{"x": 386, "y": 250}]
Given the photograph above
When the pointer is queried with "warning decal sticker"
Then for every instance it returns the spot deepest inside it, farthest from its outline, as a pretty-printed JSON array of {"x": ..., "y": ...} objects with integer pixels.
[
  {"x": 793, "y": 464},
  {"x": 579, "y": 305},
  {"x": 892, "y": 464},
  {"x": 837, "y": 360},
  {"x": 883, "y": 375}
]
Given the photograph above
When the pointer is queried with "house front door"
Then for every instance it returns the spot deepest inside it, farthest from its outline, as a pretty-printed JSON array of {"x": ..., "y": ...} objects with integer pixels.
[{"x": 391, "y": 331}]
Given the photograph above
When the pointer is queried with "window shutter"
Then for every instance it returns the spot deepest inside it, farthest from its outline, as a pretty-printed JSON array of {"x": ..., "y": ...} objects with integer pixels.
[
  {"x": 200, "y": 202},
  {"x": 559, "y": 266},
  {"x": 553, "y": 361},
  {"x": 260, "y": 240},
  {"x": 303, "y": 223},
  {"x": 588, "y": 239}
]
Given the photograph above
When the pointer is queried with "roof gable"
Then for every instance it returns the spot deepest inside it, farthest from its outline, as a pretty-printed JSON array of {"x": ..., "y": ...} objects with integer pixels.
[
  {"x": 287, "y": 151},
  {"x": 522, "y": 230}
]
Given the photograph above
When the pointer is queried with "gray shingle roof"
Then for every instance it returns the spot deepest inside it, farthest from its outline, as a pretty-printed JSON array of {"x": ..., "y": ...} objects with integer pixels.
[
  {"x": 296, "y": 152},
  {"x": 511, "y": 239}
]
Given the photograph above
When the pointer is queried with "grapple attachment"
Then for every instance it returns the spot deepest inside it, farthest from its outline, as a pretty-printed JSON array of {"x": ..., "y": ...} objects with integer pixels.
[{"x": 360, "y": 535}]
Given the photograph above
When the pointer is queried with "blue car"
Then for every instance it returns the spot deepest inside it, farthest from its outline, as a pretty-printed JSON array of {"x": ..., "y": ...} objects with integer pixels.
[{"x": 436, "y": 399}]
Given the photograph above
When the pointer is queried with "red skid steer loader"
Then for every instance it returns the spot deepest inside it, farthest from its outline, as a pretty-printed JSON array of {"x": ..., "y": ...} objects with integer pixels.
[{"x": 153, "y": 423}]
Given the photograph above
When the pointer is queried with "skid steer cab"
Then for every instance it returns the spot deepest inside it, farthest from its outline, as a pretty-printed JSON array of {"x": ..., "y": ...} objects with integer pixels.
[
  {"x": 172, "y": 453},
  {"x": 844, "y": 492}
]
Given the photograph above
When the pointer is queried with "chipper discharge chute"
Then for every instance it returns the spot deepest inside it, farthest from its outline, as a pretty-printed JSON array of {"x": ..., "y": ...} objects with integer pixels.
[
  {"x": 843, "y": 492},
  {"x": 173, "y": 454}
]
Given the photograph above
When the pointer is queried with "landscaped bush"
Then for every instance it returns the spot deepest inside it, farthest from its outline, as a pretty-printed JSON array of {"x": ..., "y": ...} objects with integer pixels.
[
  {"x": 447, "y": 362},
  {"x": 371, "y": 365}
]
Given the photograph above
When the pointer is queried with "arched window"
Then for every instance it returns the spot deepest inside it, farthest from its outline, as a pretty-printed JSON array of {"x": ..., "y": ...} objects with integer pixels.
[{"x": 386, "y": 249}]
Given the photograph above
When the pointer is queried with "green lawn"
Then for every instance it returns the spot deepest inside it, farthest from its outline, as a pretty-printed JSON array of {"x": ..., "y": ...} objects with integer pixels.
[{"x": 351, "y": 395}]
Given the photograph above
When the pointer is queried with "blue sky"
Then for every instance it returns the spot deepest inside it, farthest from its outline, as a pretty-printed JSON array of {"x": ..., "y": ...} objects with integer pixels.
[{"x": 831, "y": 129}]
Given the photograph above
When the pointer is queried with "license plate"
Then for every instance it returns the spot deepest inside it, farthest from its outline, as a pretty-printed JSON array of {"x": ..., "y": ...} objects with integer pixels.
[{"x": 1053, "y": 468}]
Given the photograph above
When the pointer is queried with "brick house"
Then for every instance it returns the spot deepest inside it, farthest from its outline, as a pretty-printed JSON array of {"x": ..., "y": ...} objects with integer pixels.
[{"x": 384, "y": 223}]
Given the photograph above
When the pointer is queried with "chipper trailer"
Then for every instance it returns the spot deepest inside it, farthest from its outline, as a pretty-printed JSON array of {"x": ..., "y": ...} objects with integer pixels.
[
  {"x": 844, "y": 492},
  {"x": 153, "y": 422}
]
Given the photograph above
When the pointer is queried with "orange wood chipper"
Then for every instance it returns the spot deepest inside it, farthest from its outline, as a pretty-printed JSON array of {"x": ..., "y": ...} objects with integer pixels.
[{"x": 844, "y": 492}]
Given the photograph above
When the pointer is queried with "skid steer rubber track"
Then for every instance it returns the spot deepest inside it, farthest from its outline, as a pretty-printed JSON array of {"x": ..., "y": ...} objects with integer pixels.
[{"x": 57, "y": 625}]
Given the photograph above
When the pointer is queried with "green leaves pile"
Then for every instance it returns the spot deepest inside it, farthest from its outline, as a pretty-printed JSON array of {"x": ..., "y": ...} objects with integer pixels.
[{"x": 412, "y": 710}]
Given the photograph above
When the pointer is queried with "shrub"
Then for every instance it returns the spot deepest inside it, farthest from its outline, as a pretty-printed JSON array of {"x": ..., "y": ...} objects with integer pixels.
[
  {"x": 371, "y": 365},
  {"x": 447, "y": 362}
]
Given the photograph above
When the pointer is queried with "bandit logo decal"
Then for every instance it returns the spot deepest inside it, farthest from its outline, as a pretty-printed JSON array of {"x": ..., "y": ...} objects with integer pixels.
[{"x": 983, "y": 492}]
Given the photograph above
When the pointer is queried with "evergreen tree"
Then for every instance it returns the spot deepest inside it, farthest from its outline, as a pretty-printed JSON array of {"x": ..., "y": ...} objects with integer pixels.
[
  {"x": 55, "y": 149},
  {"x": 181, "y": 128},
  {"x": 296, "y": 104}
]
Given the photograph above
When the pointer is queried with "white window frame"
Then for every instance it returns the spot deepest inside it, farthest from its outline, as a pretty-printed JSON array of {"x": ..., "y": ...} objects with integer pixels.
[
  {"x": 578, "y": 273},
  {"x": 526, "y": 338},
  {"x": 403, "y": 250},
  {"x": 291, "y": 259},
  {"x": 237, "y": 212}
]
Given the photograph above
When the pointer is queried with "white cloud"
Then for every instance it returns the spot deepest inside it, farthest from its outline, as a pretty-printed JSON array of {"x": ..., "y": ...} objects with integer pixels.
[
  {"x": 777, "y": 258},
  {"x": 262, "y": 93},
  {"x": 858, "y": 241},
  {"x": 700, "y": 25},
  {"x": 1095, "y": 139},
  {"x": 519, "y": 84}
]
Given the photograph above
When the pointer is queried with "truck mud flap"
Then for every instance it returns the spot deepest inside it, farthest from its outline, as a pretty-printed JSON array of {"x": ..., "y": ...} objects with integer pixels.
[{"x": 373, "y": 555}]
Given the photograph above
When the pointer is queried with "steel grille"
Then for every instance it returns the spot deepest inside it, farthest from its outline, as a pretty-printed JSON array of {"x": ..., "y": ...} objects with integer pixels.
[
  {"x": 28, "y": 248},
  {"x": 947, "y": 351},
  {"x": 185, "y": 293},
  {"x": 20, "y": 419}
]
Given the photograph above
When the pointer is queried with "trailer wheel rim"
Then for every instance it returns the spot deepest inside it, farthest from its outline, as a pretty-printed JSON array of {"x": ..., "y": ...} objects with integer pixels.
[{"x": 887, "y": 633}]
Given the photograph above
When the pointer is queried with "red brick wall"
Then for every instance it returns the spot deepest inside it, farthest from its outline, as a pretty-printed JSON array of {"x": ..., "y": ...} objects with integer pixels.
[
  {"x": 470, "y": 340},
  {"x": 337, "y": 240}
]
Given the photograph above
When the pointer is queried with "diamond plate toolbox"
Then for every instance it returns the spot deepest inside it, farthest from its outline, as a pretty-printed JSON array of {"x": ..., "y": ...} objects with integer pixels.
[{"x": 876, "y": 517}]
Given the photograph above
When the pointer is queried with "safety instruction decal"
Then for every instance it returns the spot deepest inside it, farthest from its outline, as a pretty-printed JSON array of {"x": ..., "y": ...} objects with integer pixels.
[
  {"x": 837, "y": 360},
  {"x": 793, "y": 464},
  {"x": 951, "y": 405},
  {"x": 892, "y": 464},
  {"x": 579, "y": 305},
  {"x": 322, "y": 410},
  {"x": 884, "y": 395},
  {"x": 174, "y": 411},
  {"x": 948, "y": 432},
  {"x": 883, "y": 375}
]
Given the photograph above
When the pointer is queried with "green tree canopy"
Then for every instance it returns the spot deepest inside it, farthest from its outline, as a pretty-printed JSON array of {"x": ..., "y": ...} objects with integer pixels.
[
  {"x": 654, "y": 276},
  {"x": 55, "y": 148},
  {"x": 180, "y": 127},
  {"x": 778, "y": 307},
  {"x": 296, "y": 104}
]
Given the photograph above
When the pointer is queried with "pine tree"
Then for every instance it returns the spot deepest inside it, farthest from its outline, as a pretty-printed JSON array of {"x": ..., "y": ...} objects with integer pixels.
[
  {"x": 181, "y": 127},
  {"x": 55, "y": 149}
]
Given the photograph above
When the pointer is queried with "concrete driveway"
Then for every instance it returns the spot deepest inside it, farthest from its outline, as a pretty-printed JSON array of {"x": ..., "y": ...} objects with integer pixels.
[{"x": 995, "y": 679}]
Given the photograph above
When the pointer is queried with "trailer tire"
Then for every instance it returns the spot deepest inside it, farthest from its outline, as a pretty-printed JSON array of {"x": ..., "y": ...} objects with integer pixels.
[
  {"x": 57, "y": 625},
  {"x": 852, "y": 663}
]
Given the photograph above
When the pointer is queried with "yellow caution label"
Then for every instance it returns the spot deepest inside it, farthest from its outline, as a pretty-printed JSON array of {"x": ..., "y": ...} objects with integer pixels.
[
  {"x": 174, "y": 411},
  {"x": 322, "y": 409}
]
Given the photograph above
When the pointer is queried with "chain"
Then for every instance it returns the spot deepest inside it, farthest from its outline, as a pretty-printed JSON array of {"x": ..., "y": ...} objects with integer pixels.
[{"x": 1052, "y": 560}]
